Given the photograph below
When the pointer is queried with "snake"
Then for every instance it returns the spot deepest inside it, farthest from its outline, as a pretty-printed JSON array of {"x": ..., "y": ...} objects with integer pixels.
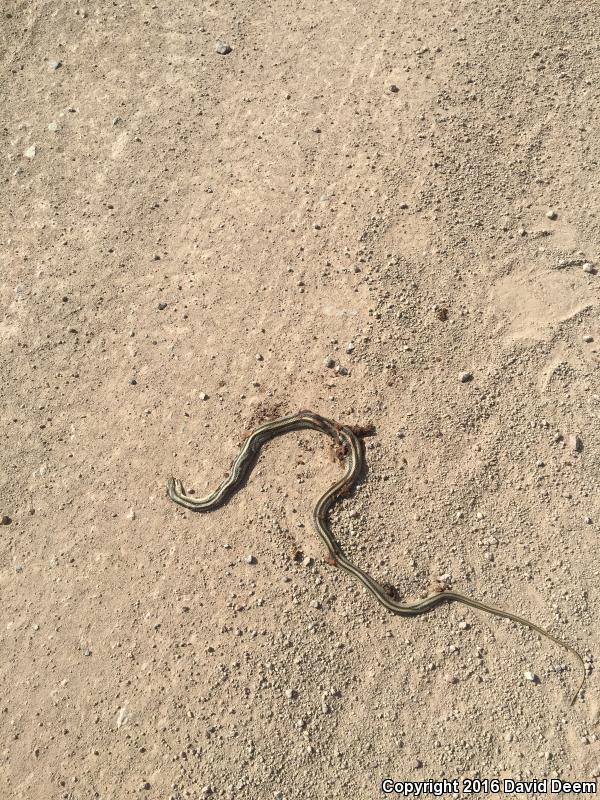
[{"x": 349, "y": 448}]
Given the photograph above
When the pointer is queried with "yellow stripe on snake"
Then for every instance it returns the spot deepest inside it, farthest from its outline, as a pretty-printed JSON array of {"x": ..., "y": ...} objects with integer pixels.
[{"x": 350, "y": 448}]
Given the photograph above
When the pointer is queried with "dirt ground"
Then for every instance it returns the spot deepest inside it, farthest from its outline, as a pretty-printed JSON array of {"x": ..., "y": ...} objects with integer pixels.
[{"x": 188, "y": 238}]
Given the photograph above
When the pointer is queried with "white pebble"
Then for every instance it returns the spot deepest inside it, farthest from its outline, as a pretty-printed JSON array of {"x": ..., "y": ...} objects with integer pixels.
[
  {"x": 589, "y": 268},
  {"x": 530, "y": 676},
  {"x": 30, "y": 152},
  {"x": 588, "y": 338},
  {"x": 551, "y": 214},
  {"x": 250, "y": 559},
  {"x": 203, "y": 396}
]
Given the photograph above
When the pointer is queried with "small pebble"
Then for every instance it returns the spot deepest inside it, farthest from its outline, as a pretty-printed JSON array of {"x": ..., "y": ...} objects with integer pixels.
[
  {"x": 30, "y": 152},
  {"x": 54, "y": 65},
  {"x": 575, "y": 443},
  {"x": 53, "y": 126},
  {"x": 445, "y": 581},
  {"x": 530, "y": 676},
  {"x": 6, "y": 520},
  {"x": 307, "y": 561},
  {"x": 350, "y": 347},
  {"x": 131, "y": 514},
  {"x": 465, "y": 377},
  {"x": 329, "y": 363},
  {"x": 259, "y": 357},
  {"x": 394, "y": 89},
  {"x": 464, "y": 626},
  {"x": 250, "y": 559},
  {"x": 203, "y": 396},
  {"x": 588, "y": 338},
  {"x": 133, "y": 382},
  {"x": 589, "y": 268},
  {"x": 223, "y": 48},
  {"x": 162, "y": 306},
  {"x": 551, "y": 214},
  {"x": 290, "y": 694},
  {"x": 588, "y": 520}
]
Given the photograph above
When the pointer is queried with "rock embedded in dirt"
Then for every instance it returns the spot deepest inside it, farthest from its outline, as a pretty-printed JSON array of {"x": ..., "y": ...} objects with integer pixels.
[
  {"x": 222, "y": 48},
  {"x": 575, "y": 443},
  {"x": 465, "y": 377}
]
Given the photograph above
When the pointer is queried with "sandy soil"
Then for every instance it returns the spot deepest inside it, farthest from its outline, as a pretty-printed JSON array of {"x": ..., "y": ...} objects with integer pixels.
[{"x": 179, "y": 224}]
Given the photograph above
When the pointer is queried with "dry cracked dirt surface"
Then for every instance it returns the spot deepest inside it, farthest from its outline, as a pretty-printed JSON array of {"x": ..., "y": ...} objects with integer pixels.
[{"x": 384, "y": 212}]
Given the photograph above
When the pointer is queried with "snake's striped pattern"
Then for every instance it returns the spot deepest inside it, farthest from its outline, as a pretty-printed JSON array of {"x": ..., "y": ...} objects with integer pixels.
[{"x": 351, "y": 449}]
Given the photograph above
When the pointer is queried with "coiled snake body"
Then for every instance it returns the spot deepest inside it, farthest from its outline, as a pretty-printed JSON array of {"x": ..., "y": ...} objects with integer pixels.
[{"x": 350, "y": 448}]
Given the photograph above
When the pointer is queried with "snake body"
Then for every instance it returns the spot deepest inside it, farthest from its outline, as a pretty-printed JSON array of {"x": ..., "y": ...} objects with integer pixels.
[{"x": 350, "y": 448}]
